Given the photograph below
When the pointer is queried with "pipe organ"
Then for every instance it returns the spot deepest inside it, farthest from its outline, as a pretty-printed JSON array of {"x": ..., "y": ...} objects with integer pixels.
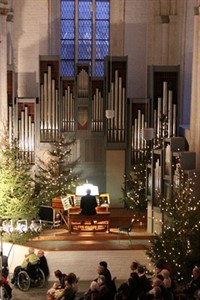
[
  {"x": 49, "y": 99},
  {"x": 82, "y": 83},
  {"x": 97, "y": 112},
  {"x": 67, "y": 112},
  {"x": 116, "y": 99},
  {"x": 25, "y": 116},
  {"x": 139, "y": 120},
  {"x": 165, "y": 118}
]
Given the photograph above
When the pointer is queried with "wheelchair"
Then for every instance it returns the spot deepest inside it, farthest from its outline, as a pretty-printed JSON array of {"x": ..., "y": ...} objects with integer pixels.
[{"x": 33, "y": 276}]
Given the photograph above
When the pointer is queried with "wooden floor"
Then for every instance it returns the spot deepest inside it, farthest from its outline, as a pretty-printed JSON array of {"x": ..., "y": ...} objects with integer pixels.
[{"x": 85, "y": 237}]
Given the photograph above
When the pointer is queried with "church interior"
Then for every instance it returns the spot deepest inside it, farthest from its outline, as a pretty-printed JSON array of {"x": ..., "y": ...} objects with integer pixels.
[{"x": 119, "y": 78}]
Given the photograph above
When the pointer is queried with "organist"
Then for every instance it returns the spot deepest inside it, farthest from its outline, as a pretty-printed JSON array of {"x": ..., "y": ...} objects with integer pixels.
[
  {"x": 88, "y": 204},
  {"x": 77, "y": 209}
]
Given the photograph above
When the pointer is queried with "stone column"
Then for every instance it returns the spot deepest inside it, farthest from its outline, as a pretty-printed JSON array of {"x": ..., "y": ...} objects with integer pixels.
[
  {"x": 3, "y": 65},
  {"x": 195, "y": 97}
]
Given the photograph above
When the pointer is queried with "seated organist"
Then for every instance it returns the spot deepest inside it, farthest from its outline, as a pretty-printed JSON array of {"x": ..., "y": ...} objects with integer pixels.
[
  {"x": 86, "y": 207},
  {"x": 88, "y": 204}
]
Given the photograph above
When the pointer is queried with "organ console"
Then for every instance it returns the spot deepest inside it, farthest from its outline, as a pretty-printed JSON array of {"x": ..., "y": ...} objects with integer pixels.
[{"x": 69, "y": 208}]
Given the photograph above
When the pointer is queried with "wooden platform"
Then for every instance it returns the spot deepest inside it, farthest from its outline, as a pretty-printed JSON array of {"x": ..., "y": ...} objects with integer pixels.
[{"x": 60, "y": 239}]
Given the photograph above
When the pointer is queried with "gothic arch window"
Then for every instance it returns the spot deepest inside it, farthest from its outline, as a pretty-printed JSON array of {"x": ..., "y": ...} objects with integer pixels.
[{"x": 85, "y": 35}]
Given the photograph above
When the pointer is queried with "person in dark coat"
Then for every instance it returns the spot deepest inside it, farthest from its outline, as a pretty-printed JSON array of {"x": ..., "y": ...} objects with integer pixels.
[
  {"x": 88, "y": 204},
  {"x": 43, "y": 263},
  {"x": 144, "y": 284},
  {"x": 109, "y": 281},
  {"x": 193, "y": 286}
]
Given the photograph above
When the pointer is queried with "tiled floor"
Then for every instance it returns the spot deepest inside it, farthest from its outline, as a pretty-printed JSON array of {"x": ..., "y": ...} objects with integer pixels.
[{"x": 80, "y": 252}]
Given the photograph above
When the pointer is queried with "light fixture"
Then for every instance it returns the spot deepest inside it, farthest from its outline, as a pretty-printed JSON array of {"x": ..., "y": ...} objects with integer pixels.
[
  {"x": 110, "y": 113},
  {"x": 148, "y": 134},
  {"x": 81, "y": 190}
]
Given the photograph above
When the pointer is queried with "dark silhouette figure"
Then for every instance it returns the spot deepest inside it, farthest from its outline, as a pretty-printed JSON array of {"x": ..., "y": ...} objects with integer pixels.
[{"x": 88, "y": 204}]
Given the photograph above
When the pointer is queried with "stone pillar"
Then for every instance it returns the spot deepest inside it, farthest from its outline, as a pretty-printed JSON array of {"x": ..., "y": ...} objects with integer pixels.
[
  {"x": 3, "y": 65},
  {"x": 164, "y": 33},
  {"x": 195, "y": 97}
]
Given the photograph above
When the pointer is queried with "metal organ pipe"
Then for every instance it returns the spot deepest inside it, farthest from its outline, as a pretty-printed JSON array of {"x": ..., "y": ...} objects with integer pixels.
[{"x": 97, "y": 111}]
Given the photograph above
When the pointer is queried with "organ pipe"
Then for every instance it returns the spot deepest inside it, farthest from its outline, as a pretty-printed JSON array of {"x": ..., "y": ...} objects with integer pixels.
[
  {"x": 26, "y": 135},
  {"x": 116, "y": 102},
  {"x": 49, "y": 99},
  {"x": 97, "y": 111},
  {"x": 67, "y": 111}
]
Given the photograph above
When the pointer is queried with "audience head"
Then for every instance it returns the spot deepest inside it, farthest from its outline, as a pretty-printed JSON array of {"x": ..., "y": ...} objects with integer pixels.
[
  {"x": 71, "y": 278},
  {"x": 101, "y": 280},
  {"x": 156, "y": 282},
  {"x": 167, "y": 281},
  {"x": 58, "y": 273},
  {"x": 157, "y": 291},
  {"x": 134, "y": 265},
  {"x": 94, "y": 286},
  {"x": 100, "y": 269},
  {"x": 160, "y": 276},
  {"x": 140, "y": 269},
  {"x": 104, "y": 264},
  {"x": 31, "y": 250},
  {"x": 165, "y": 273},
  {"x": 162, "y": 264},
  {"x": 40, "y": 253},
  {"x": 196, "y": 272}
]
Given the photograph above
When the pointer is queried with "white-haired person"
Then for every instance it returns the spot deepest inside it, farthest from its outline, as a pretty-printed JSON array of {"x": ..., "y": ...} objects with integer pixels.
[{"x": 30, "y": 258}]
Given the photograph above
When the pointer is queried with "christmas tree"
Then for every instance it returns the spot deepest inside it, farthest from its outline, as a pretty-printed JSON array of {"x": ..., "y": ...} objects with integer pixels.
[
  {"x": 18, "y": 206},
  {"x": 179, "y": 242},
  {"x": 54, "y": 176},
  {"x": 16, "y": 184},
  {"x": 134, "y": 193}
]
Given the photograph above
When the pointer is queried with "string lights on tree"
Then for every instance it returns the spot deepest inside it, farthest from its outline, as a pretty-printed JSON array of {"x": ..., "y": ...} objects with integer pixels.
[
  {"x": 54, "y": 175},
  {"x": 17, "y": 200},
  {"x": 179, "y": 242}
]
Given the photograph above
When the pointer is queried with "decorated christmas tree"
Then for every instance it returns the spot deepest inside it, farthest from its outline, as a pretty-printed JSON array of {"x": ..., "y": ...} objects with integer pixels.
[
  {"x": 54, "y": 175},
  {"x": 134, "y": 193},
  {"x": 18, "y": 205},
  {"x": 179, "y": 242},
  {"x": 16, "y": 184}
]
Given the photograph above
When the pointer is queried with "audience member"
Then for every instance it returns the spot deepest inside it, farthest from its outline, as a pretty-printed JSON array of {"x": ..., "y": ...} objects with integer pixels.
[
  {"x": 43, "y": 263},
  {"x": 144, "y": 284},
  {"x": 106, "y": 271},
  {"x": 134, "y": 266},
  {"x": 30, "y": 258},
  {"x": 130, "y": 289},
  {"x": 61, "y": 278},
  {"x": 156, "y": 293},
  {"x": 193, "y": 286},
  {"x": 70, "y": 289},
  {"x": 110, "y": 282},
  {"x": 98, "y": 290},
  {"x": 162, "y": 264},
  {"x": 51, "y": 293},
  {"x": 167, "y": 281}
]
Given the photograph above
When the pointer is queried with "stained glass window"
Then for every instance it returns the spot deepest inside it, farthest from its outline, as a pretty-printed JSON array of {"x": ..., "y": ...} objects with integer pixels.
[{"x": 85, "y": 34}]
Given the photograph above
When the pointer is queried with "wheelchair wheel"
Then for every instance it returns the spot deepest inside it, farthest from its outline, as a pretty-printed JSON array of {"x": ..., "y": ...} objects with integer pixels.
[
  {"x": 23, "y": 281},
  {"x": 40, "y": 278}
]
